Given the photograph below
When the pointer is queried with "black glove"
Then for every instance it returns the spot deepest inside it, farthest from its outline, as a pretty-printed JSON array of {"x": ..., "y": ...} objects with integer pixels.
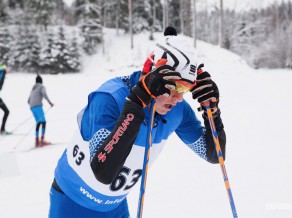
[
  {"x": 206, "y": 90},
  {"x": 156, "y": 83}
]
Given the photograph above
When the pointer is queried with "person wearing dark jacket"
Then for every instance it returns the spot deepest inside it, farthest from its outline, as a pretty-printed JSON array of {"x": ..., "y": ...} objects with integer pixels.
[
  {"x": 35, "y": 99},
  {"x": 3, "y": 71}
]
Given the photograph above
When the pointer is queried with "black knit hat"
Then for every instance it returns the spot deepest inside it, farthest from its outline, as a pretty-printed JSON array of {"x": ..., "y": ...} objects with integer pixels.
[
  {"x": 170, "y": 31},
  {"x": 38, "y": 79}
]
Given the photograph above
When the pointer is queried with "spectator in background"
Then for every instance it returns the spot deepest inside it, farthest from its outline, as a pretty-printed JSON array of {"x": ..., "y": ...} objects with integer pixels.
[
  {"x": 3, "y": 70},
  {"x": 36, "y": 96}
]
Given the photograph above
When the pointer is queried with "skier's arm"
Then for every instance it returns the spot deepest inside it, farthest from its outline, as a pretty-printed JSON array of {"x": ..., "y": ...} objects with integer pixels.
[
  {"x": 2, "y": 76},
  {"x": 206, "y": 90},
  {"x": 44, "y": 93},
  {"x": 211, "y": 153},
  {"x": 198, "y": 138},
  {"x": 111, "y": 155},
  {"x": 1, "y": 80}
]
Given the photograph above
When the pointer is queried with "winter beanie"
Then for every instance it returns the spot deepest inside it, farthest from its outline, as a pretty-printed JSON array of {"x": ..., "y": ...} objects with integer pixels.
[
  {"x": 38, "y": 79},
  {"x": 178, "y": 53},
  {"x": 170, "y": 31},
  {"x": 147, "y": 67}
]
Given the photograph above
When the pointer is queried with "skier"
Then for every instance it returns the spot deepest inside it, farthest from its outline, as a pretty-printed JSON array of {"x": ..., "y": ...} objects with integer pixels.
[
  {"x": 36, "y": 96},
  {"x": 3, "y": 70},
  {"x": 104, "y": 160}
]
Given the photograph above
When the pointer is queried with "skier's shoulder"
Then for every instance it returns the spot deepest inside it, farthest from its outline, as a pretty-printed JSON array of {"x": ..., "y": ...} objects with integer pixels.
[
  {"x": 38, "y": 85},
  {"x": 2, "y": 74},
  {"x": 106, "y": 94},
  {"x": 3, "y": 68},
  {"x": 37, "y": 88},
  {"x": 118, "y": 87},
  {"x": 113, "y": 85}
]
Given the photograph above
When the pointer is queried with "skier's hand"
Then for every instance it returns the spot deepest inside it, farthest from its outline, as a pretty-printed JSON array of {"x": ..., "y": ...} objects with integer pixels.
[
  {"x": 158, "y": 82},
  {"x": 52, "y": 105},
  {"x": 206, "y": 90}
]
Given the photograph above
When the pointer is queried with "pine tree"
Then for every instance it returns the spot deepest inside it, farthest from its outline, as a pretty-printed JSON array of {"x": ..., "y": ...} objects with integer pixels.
[
  {"x": 5, "y": 44},
  {"x": 141, "y": 16},
  {"x": 41, "y": 11},
  {"x": 89, "y": 13},
  {"x": 34, "y": 52},
  {"x": 20, "y": 47},
  {"x": 3, "y": 12},
  {"x": 14, "y": 4},
  {"x": 123, "y": 15},
  {"x": 177, "y": 18},
  {"x": 74, "y": 55},
  {"x": 48, "y": 59},
  {"x": 62, "y": 52}
]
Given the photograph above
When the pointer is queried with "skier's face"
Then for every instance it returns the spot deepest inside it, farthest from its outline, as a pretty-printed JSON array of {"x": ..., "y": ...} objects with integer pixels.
[{"x": 166, "y": 103}]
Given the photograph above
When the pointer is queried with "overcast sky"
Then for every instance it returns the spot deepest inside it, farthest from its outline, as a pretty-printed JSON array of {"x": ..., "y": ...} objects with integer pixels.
[
  {"x": 236, "y": 4},
  {"x": 239, "y": 4}
]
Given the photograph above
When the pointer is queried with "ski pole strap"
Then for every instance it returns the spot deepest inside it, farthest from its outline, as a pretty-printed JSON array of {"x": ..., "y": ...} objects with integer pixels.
[
  {"x": 146, "y": 160},
  {"x": 220, "y": 157},
  {"x": 212, "y": 103}
]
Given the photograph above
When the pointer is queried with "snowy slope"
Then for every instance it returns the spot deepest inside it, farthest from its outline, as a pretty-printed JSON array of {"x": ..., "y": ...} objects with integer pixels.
[{"x": 179, "y": 184}]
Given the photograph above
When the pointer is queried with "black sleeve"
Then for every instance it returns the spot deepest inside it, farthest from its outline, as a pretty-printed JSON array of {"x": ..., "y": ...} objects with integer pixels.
[
  {"x": 111, "y": 155},
  {"x": 211, "y": 151}
]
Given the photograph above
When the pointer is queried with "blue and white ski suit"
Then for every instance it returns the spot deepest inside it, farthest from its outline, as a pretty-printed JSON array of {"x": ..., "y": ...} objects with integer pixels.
[{"x": 96, "y": 121}]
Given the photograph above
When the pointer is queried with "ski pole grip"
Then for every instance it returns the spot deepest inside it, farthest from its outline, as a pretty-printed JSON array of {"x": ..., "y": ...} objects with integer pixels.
[{"x": 199, "y": 71}]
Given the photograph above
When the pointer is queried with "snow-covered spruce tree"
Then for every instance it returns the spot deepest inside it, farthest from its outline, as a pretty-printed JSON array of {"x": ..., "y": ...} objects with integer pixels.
[
  {"x": 41, "y": 11},
  {"x": 14, "y": 4},
  {"x": 32, "y": 64},
  {"x": 248, "y": 33},
  {"x": 16, "y": 12},
  {"x": 158, "y": 15},
  {"x": 3, "y": 12},
  {"x": 62, "y": 52},
  {"x": 20, "y": 47},
  {"x": 74, "y": 55},
  {"x": 48, "y": 61},
  {"x": 122, "y": 17},
  {"x": 141, "y": 16},
  {"x": 5, "y": 45},
  {"x": 208, "y": 31},
  {"x": 89, "y": 21},
  {"x": 177, "y": 10},
  {"x": 28, "y": 50}
]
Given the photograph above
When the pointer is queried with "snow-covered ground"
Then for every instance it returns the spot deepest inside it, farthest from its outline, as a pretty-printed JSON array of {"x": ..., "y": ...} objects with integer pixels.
[{"x": 255, "y": 108}]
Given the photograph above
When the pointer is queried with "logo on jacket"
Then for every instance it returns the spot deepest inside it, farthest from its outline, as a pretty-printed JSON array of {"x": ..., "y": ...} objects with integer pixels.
[{"x": 116, "y": 138}]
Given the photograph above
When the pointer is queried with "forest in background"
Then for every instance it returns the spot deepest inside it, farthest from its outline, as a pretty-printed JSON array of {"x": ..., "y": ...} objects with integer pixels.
[{"x": 52, "y": 37}]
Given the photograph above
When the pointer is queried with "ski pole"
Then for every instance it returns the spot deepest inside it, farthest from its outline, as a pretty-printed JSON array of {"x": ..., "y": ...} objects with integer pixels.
[
  {"x": 19, "y": 125},
  {"x": 146, "y": 160},
  {"x": 206, "y": 105},
  {"x": 27, "y": 133},
  {"x": 23, "y": 122},
  {"x": 21, "y": 140}
]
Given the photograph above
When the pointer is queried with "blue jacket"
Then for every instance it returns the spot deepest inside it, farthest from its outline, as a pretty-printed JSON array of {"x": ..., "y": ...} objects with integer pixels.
[
  {"x": 2, "y": 75},
  {"x": 73, "y": 173}
]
